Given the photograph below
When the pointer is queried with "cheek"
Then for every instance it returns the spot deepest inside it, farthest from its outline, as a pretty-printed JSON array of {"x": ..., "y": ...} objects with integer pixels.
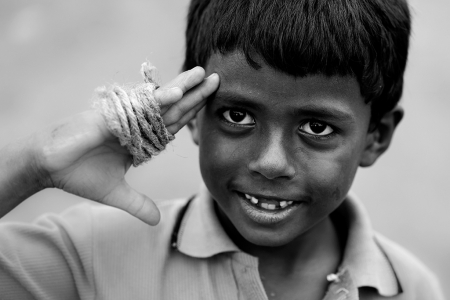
[
  {"x": 331, "y": 176},
  {"x": 333, "y": 172},
  {"x": 220, "y": 158}
]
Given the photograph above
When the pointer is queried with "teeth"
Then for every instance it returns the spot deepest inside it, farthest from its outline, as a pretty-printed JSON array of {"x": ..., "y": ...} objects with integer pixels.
[
  {"x": 282, "y": 204},
  {"x": 271, "y": 206}
]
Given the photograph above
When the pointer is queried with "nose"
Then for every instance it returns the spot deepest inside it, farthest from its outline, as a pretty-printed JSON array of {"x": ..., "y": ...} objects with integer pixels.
[{"x": 271, "y": 158}]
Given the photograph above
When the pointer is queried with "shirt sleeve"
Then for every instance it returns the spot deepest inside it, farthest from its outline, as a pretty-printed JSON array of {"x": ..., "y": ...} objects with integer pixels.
[{"x": 49, "y": 259}]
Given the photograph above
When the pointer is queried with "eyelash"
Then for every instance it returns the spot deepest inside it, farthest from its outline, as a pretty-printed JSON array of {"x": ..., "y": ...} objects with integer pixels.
[
  {"x": 223, "y": 118},
  {"x": 314, "y": 136}
]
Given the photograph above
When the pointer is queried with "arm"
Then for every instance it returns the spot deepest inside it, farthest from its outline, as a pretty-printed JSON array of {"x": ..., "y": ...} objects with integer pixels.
[
  {"x": 51, "y": 259},
  {"x": 80, "y": 156},
  {"x": 19, "y": 176}
]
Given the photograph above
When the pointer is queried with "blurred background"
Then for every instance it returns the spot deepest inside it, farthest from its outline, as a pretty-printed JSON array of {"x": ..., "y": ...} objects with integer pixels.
[{"x": 54, "y": 53}]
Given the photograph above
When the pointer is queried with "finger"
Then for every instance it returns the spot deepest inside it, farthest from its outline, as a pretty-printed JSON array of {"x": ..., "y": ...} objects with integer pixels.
[
  {"x": 133, "y": 202},
  {"x": 175, "y": 127},
  {"x": 186, "y": 80},
  {"x": 192, "y": 99},
  {"x": 174, "y": 90},
  {"x": 167, "y": 97}
]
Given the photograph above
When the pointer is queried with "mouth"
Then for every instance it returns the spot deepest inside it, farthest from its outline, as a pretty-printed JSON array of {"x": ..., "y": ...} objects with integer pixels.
[
  {"x": 268, "y": 211},
  {"x": 267, "y": 203}
]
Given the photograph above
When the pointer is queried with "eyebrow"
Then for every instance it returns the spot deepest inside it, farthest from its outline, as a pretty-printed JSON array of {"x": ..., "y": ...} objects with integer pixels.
[
  {"x": 313, "y": 110},
  {"x": 327, "y": 112},
  {"x": 237, "y": 100}
]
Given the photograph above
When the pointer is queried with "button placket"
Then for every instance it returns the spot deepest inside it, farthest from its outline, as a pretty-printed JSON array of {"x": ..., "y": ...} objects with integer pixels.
[
  {"x": 245, "y": 269},
  {"x": 341, "y": 287}
]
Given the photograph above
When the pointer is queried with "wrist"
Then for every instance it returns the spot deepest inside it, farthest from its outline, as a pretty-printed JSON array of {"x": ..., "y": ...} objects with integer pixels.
[
  {"x": 36, "y": 174},
  {"x": 20, "y": 176}
]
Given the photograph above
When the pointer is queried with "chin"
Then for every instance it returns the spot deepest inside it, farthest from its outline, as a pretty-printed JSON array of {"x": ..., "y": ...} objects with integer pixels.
[
  {"x": 271, "y": 242},
  {"x": 267, "y": 237}
]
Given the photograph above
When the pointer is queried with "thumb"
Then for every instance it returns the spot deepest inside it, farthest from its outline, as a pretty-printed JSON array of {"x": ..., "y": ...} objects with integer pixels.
[{"x": 138, "y": 205}]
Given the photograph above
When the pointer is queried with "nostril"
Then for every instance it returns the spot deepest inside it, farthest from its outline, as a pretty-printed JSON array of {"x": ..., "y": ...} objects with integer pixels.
[
  {"x": 271, "y": 157},
  {"x": 272, "y": 169}
]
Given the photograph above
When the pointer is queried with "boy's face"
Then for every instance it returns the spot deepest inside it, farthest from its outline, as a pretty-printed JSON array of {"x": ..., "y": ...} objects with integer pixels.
[{"x": 293, "y": 144}]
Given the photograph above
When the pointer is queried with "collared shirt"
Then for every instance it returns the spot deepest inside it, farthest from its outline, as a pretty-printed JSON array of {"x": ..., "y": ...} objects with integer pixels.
[{"x": 98, "y": 252}]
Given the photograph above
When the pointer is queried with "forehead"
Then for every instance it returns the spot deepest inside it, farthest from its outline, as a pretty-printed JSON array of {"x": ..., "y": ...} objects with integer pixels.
[{"x": 238, "y": 80}]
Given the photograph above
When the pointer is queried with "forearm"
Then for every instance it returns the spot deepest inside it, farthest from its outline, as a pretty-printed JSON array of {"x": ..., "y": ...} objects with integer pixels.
[{"x": 19, "y": 176}]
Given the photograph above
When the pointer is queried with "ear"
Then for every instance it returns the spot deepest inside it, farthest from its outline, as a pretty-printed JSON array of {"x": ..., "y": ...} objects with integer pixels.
[
  {"x": 379, "y": 139},
  {"x": 193, "y": 127}
]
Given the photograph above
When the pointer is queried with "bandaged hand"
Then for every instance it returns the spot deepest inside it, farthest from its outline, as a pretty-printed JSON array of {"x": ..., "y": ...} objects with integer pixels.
[
  {"x": 82, "y": 156},
  {"x": 137, "y": 114}
]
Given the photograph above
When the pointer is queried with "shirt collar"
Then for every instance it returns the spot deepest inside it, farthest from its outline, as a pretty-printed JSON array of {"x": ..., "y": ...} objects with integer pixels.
[
  {"x": 363, "y": 257},
  {"x": 201, "y": 235}
]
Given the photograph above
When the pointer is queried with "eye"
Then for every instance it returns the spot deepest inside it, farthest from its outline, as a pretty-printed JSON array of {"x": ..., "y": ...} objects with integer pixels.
[
  {"x": 316, "y": 128},
  {"x": 239, "y": 117}
]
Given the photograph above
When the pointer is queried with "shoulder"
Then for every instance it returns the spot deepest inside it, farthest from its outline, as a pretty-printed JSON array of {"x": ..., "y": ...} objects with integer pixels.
[
  {"x": 119, "y": 240},
  {"x": 403, "y": 261},
  {"x": 87, "y": 212},
  {"x": 107, "y": 218},
  {"x": 168, "y": 209},
  {"x": 416, "y": 280},
  {"x": 102, "y": 225}
]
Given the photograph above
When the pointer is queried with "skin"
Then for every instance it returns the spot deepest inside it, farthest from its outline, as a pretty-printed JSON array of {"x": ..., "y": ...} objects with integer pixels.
[
  {"x": 80, "y": 156},
  {"x": 273, "y": 155},
  {"x": 271, "y": 151}
]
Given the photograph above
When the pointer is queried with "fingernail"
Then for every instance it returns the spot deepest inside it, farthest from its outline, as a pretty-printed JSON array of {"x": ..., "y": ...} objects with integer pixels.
[
  {"x": 176, "y": 90},
  {"x": 212, "y": 75}
]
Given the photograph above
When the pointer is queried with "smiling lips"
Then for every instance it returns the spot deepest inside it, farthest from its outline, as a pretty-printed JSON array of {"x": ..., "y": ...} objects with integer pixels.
[{"x": 269, "y": 204}]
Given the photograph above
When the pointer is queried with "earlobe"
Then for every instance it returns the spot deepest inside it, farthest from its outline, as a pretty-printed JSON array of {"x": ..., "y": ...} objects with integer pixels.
[
  {"x": 193, "y": 127},
  {"x": 378, "y": 140}
]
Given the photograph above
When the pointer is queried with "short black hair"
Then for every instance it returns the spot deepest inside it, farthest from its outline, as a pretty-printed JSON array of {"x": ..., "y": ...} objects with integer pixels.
[{"x": 368, "y": 39}]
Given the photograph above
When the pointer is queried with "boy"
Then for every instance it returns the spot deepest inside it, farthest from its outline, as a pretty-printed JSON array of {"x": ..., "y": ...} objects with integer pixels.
[{"x": 308, "y": 92}]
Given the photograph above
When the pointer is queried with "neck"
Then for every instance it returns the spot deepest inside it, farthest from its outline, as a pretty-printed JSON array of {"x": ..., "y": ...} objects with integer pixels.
[
  {"x": 316, "y": 249},
  {"x": 299, "y": 268},
  {"x": 319, "y": 247}
]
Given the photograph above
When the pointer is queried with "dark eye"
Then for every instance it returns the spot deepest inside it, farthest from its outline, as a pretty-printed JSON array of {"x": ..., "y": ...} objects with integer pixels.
[
  {"x": 240, "y": 117},
  {"x": 316, "y": 128}
]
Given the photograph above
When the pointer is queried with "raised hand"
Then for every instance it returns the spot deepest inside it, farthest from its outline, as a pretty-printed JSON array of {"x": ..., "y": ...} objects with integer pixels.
[
  {"x": 177, "y": 113},
  {"x": 79, "y": 154}
]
